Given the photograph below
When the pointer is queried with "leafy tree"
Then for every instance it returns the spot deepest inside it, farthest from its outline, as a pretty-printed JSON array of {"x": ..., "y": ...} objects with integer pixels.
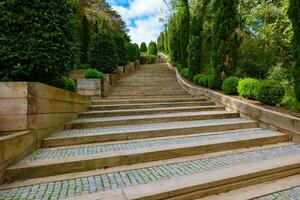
[
  {"x": 152, "y": 48},
  {"x": 137, "y": 49},
  {"x": 161, "y": 42},
  {"x": 225, "y": 40},
  {"x": 195, "y": 44},
  {"x": 103, "y": 52},
  {"x": 37, "y": 40},
  {"x": 85, "y": 39},
  {"x": 143, "y": 47},
  {"x": 132, "y": 53},
  {"x": 121, "y": 49},
  {"x": 294, "y": 13},
  {"x": 183, "y": 25},
  {"x": 173, "y": 40}
]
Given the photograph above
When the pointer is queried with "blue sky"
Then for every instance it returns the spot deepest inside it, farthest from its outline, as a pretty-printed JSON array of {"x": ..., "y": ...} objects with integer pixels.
[{"x": 141, "y": 17}]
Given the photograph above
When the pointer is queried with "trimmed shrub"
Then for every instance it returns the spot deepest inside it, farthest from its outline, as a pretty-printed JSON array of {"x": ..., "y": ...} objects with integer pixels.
[
  {"x": 247, "y": 87},
  {"x": 152, "y": 49},
  {"x": 143, "y": 47},
  {"x": 230, "y": 85},
  {"x": 94, "y": 74},
  {"x": 38, "y": 41},
  {"x": 65, "y": 83},
  {"x": 82, "y": 66},
  {"x": 185, "y": 73},
  {"x": 203, "y": 81},
  {"x": 270, "y": 92},
  {"x": 137, "y": 50},
  {"x": 213, "y": 82},
  {"x": 121, "y": 49},
  {"x": 196, "y": 78},
  {"x": 103, "y": 54},
  {"x": 131, "y": 52}
]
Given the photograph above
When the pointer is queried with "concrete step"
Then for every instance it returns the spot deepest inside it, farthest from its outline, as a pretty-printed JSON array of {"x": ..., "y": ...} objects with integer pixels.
[
  {"x": 56, "y": 161},
  {"x": 146, "y": 93},
  {"x": 181, "y": 178},
  {"x": 147, "y": 119},
  {"x": 150, "y": 88},
  {"x": 119, "y": 133},
  {"x": 150, "y": 105},
  {"x": 143, "y": 111},
  {"x": 284, "y": 188},
  {"x": 146, "y": 97},
  {"x": 97, "y": 101}
]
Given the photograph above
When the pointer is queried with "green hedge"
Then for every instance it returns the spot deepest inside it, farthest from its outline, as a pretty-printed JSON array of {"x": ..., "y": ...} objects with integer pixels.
[
  {"x": 230, "y": 85},
  {"x": 247, "y": 87},
  {"x": 37, "y": 40},
  {"x": 185, "y": 72},
  {"x": 213, "y": 82},
  {"x": 94, "y": 74},
  {"x": 270, "y": 92},
  {"x": 147, "y": 59}
]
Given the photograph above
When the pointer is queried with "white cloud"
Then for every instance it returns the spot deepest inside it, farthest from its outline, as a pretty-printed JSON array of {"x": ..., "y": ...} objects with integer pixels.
[{"x": 145, "y": 15}]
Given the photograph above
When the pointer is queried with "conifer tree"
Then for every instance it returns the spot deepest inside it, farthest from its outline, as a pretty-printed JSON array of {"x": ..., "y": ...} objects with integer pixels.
[
  {"x": 85, "y": 39},
  {"x": 294, "y": 14},
  {"x": 143, "y": 47},
  {"x": 225, "y": 41},
  {"x": 173, "y": 40}
]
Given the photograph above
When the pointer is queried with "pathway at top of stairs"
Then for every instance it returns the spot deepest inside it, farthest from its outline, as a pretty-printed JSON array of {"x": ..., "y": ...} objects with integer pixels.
[{"x": 151, "y": 140}]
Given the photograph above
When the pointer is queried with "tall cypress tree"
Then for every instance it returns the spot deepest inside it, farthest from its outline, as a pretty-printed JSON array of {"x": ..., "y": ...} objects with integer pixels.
[
  {"x": 121, "y": 48},
  {"x": 173, "y": 40},
  {"x": 166, "y": 42},
  {"x": 143, "y": 47},
  {"x": 225, "y": 41},
  {"x": 195, "y": 45},
  {"x": 183, "y": 30},
  {"x": 85, "y": 39},
  {"x": 294, "y": 14}
]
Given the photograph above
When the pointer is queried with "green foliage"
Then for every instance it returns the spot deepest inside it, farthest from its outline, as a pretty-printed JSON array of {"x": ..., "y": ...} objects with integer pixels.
[
  {"x": 196, "y": 78},
  {"x": 85, "y": 40},
  {"x": 201, "y": 79},
  {"x": 230, "y": 85},
  {"x": 185, "y": 73},
  {"x": 173, "y": 40},
  {"x": 103, "y": 53},
  {"x": 195, "y": 43},
  {"x": 65, "y": 83},
  {"x": 269, "y": 92},
  {"x": 282, "y": 75},
  {"x": 183, "y": 26},
  {"x": 82, "y": 66},
  {"x": 247, "y": 87},
  {"x": 225, "y": 41},
  {"x": 143, "y": 48},
  {"x": 137, "y": 50},
  {"x": 152, "y": 49},
  {"x": 161, "y": 42},
  {"x": 37, "y": 40},
  {"x": 213, "y": 82},
  {"x": 294, "y": 14},
  {"x": 132, "y": 54},
  {"x": 148, "y": 59},
  {"x": 94, "y": 74},
  {"x": 121, "y": 49}
]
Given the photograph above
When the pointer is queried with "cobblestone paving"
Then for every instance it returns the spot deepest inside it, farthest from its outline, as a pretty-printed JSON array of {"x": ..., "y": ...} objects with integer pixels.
[
  {"x": 146, "y": 127},
  {"x": 91, "y": 184},
  {"x": 290, "y": 194},
  {"x": 150, "y": 116},
  {"x": 90, "y": 150}
]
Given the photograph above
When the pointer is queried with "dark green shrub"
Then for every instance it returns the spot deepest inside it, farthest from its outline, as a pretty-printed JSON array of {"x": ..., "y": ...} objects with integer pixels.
[
  {"x": 143, "y": 47},
  {"x": 120, "y": 43},
  {"x": 103, "y": 54},
  {"x": 131, "y": 52},
  {"x": 213, "y": 82},
  {"x": 196, "y": 78},
  {"x": 152, "y": 49},
  {"x": 94, "y": 74},
  {"x": 137, "y": 50},
  {"x": 82, "y": 66},
  {"x": 65, "y": 83},
  {"x": 230, "y": 85},
  {"x": 85, "y": 39},
  {"x": 185, "y": 73},
  {"x": 203, "y": 81},
  {"x": 270, "y": 92},
  {"x": 37, "y": 40},
  {"x": 247, "y": 87}
]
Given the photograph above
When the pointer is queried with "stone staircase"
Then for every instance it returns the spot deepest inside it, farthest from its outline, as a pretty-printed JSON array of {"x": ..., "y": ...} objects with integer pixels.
[{"x": 151, "y": 140}]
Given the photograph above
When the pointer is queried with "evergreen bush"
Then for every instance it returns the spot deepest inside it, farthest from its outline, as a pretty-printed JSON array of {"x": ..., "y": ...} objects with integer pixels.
[
  {"x": 213, "y": 82},
  {"x": 185, "y": 73},
  {"x": 196, "y": 78},
  {"x": 247, "y": 87},
  {"x": 103, "y": 53},
  {"x": 85, "y": 39},
  {"x": 270, "y": 92},
  {"x": 137, "y": 50},
  {"x": 38, "y": 40},
  {"x": 152, "y": 49},
  {"x": 132, "y": 54},
  {"x": 143, "y": 48},
  {"x": 203, "y": 80},
  {"x": 121, "y": 49},
  {"x": 94, "y": 74},
  {"x": 230, "y": 85}
]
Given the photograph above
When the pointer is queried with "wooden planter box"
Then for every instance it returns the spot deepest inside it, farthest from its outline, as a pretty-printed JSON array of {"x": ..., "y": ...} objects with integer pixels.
[{"x": 89, "y": 87}]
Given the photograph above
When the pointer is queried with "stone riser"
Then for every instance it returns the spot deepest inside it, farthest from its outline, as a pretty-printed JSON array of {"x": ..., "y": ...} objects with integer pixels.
[
  {"x": 56, "y": 142},
  {"x": 64, "y": 166},
  {"x": 149, "y": 111},
  {"x": 148, "y": 93},
  {"x": 111, "y": 97},
  {"x": 141, "y": 106},
  {"x": 147, "y": 121},
  {"x": 135, "y": 101}
]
